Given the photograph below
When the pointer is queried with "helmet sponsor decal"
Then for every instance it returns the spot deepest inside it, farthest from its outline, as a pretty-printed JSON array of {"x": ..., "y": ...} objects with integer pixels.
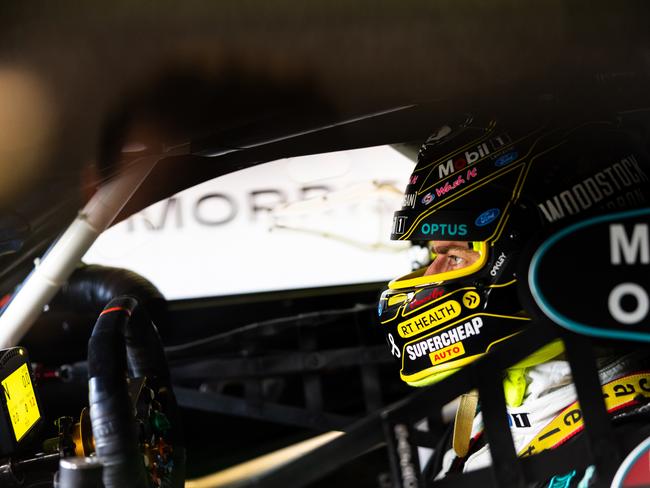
[
  {"x": 447, "y": 353},
  {"x": 413, "y": 179},
  {"x": 432, "y": 295},
  {"x": 469, "y": 158},
  {"x": 471, "y": 299},
  {"x": 409, "y": 200},
  {"x": 456, "y": 183},
  {"x": 447, "y": 187},
  {"x": 472, "y": 156},
  {"x": 610, "y": 253},
  {"x": 506, "y": 159},
  {"x": 431, "y": 318},
  {"x": 487, "y": 217},
  {"x": 394, "y": 350},
  {"x": 443, "y": 230},
  {"x": 399, "y": 224},
  {"x": 499, "y": 263},
  {"x": 443, "y": 339},
  {"x": 428, "y": 198}
]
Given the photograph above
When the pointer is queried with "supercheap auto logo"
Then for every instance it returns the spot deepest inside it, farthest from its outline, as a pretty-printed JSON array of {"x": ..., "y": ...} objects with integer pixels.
[{"x": 444, "y": 339}]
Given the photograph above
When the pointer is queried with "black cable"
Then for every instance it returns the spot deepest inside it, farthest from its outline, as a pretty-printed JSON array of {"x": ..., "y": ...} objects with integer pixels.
[{"x": 316, "y": 318}]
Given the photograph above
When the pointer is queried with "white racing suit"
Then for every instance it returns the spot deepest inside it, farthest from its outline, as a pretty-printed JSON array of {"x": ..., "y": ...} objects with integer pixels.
[{"x": 549, "y": 414}]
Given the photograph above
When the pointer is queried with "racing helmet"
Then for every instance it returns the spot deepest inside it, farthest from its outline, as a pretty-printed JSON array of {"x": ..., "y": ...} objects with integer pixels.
[{"x": 480, "y": 190}]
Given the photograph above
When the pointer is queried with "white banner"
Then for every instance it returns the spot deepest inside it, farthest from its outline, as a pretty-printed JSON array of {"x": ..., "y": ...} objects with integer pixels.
[{"x": 293, "y": 223}]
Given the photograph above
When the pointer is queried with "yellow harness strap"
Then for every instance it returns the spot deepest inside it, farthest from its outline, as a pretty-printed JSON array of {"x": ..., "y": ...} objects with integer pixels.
[
  {"x": 463, "y": 423},
  {"x": 617, "y": 394},
  {"x": 514, "y": 387}
]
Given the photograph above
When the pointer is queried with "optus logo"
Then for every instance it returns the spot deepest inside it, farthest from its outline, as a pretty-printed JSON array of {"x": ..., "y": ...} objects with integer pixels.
[
  {"x": 487, "y": 217},
  {"x": 444, "y": 230}
]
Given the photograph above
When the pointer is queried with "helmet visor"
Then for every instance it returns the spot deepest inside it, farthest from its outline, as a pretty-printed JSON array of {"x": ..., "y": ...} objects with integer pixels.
[{"x": 449, "y": 260}]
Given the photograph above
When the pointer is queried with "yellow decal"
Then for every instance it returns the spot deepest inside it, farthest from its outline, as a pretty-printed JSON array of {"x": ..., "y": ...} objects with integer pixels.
[
  {"x": 399, "y": 298},
  {"x": 21, "y": 401},
  {"x": 569, "y": 422},
  {"x": 447, "y": 353},
  {"x": 431, "y": 318},
  {"x": 471, "y": 299}
]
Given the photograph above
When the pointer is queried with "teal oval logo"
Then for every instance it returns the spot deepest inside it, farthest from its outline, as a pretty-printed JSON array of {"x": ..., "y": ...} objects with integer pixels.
[{"x": 606, "y": 262}]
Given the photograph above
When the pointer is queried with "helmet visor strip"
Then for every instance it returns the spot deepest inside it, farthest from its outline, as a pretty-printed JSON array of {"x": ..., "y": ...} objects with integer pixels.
[{"x": 450, "y": 260}]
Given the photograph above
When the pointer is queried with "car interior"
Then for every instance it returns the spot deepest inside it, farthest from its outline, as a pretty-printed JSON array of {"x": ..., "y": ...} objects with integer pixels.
[{"x": 109, "y": 107}]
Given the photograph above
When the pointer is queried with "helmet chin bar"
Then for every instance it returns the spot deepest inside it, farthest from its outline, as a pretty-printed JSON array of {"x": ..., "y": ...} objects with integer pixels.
[{"x": 399, "y": 426}]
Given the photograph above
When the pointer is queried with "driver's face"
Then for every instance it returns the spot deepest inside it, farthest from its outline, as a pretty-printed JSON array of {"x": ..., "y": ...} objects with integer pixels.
[{"x": 450, "y": 255}]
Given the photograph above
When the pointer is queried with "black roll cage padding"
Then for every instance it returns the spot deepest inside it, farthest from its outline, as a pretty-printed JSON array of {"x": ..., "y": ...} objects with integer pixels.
[
  {"x": 92, "y": 286},
  {"x": 601, "y": 443},
  {"x": 78, "y": 303},
  {"x": 506, "y": 470},
  {"x": 600, "y": 446},
  {"x": 124, "y": 337}
]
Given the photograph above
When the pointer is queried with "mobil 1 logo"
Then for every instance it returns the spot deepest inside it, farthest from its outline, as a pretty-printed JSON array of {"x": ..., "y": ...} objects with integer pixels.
[{"x": 594, "y": 276}]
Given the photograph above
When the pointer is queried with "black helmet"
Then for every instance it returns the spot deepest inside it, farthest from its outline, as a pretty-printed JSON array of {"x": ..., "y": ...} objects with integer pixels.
[{"x": 485, "y": 186}]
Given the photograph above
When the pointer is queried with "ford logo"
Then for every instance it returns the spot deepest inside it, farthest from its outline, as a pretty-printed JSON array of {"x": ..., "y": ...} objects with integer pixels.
[
  {"x": 487, "y": 217},
  {"x": 506, "y": 159}
]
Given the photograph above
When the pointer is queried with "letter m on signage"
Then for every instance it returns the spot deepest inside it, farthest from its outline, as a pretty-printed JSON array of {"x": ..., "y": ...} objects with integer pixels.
[{"x": 632, "y": 250}]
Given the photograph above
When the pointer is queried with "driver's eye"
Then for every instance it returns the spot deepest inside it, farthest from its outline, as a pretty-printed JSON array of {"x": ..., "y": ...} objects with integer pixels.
[{"x": 456, "y": 260}]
